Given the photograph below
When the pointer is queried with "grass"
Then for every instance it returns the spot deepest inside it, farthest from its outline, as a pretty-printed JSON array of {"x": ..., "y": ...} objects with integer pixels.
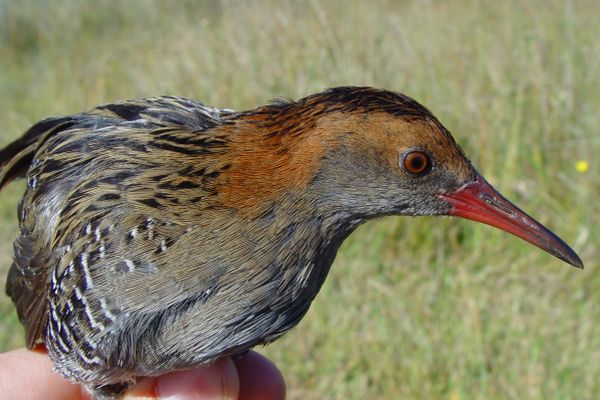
[{"x": 414, "y": 308}]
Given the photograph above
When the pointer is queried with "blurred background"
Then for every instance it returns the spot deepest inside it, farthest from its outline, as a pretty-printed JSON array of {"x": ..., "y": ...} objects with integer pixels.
[{"x": 427, "y": 308}]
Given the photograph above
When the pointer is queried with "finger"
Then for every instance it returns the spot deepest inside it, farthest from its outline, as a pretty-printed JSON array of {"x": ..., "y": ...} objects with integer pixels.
[
  {"x": 216, "y": 381},
  {"x": 259, "y": 378},
  {"x": 30, "y": 375}
]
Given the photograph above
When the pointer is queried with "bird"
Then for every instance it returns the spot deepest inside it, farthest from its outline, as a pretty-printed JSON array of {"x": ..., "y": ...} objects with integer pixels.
[{"x": 162, "y": 234}]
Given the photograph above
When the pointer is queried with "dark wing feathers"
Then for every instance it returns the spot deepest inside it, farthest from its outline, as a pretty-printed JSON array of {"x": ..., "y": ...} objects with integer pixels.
[{"x": 16, "y": 157}]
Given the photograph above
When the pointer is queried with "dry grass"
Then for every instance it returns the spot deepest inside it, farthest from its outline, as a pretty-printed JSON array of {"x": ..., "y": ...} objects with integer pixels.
[{"x": 414, "y": 308}]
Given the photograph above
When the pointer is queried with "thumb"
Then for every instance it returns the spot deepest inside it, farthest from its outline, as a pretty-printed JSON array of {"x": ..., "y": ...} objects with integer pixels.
[{"x": 219, "y": 380}]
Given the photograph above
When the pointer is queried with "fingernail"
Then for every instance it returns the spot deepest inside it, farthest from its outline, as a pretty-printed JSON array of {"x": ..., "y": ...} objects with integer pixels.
[{"x": 217, "y": 381}]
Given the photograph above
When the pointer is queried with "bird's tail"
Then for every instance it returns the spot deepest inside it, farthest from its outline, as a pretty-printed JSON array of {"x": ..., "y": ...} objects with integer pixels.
[
  {"x": 26, "y": 277},
  {"x": 17, "y": 156}
]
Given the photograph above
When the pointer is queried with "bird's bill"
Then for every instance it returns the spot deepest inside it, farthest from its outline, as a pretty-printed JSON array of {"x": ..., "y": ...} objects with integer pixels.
[{"x": 479, "y": 201}]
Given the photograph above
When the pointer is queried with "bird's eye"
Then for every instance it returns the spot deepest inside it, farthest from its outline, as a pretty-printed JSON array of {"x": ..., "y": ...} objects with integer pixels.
[{"x": 416, "y": 162}]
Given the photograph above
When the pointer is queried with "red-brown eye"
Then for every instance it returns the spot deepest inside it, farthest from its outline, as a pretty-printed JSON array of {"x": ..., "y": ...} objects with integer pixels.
[{"x": 416, "y": 162}]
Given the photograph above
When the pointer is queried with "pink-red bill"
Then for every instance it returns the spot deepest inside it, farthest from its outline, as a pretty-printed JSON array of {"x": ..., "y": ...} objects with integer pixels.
[{"x": 479, "y": 201}]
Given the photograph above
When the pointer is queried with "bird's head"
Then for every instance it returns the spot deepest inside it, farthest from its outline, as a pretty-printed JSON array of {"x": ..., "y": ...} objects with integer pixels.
[{"x": 382, "y": 153}]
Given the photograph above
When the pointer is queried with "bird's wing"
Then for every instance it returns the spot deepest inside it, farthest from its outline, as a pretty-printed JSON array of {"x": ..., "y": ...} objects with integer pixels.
[{"x": 112, "y": 170}]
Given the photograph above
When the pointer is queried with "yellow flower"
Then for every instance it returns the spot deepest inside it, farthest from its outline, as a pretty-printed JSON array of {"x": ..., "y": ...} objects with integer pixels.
[{"x": 582, "y": 166}]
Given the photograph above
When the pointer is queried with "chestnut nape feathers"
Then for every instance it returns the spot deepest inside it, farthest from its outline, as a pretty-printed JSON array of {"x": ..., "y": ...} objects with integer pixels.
[{"x": 162, "y": 234}]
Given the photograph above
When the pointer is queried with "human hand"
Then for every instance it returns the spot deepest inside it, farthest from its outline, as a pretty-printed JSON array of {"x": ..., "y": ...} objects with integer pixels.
[{"x": 30, "y": 375}]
